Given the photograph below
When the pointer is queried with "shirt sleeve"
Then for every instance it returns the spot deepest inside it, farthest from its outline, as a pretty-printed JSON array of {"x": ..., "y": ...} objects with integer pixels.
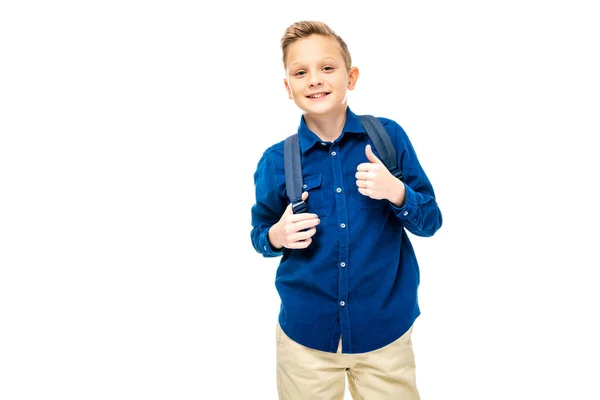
[
  {"x": 420, "y": 213},
  {"x": 267, "y": 209}
]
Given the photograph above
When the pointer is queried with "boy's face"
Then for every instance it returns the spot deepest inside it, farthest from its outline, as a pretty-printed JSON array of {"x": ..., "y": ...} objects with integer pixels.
[{"x": 317, "y": 78}]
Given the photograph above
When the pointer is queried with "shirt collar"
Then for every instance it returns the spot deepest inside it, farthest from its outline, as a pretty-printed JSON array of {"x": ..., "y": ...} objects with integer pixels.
[{"x": 308, "y": 138}]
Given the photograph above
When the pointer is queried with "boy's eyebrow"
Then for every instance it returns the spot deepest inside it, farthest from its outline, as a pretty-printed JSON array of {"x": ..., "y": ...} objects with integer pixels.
[{"x": 323, "y": 59}]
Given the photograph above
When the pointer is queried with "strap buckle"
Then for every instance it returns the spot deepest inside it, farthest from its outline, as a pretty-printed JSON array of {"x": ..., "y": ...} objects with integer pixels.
[
  {"x": 299, "y": 207},
  {"x": 397, "y": 173}
]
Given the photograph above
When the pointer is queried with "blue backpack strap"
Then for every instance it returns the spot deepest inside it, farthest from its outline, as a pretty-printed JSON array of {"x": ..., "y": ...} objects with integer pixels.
[
  {"x": 293, "y": 173},
  {"x": 383, "y": 143}
]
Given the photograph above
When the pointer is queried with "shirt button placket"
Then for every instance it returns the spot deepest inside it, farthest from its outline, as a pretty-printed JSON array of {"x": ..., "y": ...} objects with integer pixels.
[{"x": 343, "y": 219}]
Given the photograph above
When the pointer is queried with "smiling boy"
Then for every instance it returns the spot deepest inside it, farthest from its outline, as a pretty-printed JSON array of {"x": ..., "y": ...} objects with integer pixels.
[{"x": 348, "y": 275}]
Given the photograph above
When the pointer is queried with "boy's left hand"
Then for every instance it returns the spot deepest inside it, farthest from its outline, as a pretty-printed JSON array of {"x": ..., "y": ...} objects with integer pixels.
[{"x": 375, "y": 181}]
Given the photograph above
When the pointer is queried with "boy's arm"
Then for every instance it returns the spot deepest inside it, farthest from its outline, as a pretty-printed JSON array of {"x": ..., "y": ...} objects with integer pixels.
[
  {"x": 419, "y": 211},
  {"x": 267, "y": 209}
]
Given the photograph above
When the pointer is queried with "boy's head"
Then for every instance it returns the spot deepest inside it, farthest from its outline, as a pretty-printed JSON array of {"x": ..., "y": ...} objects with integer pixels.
[
  {"x": 318, "y": 68},
  {"x": 303, "y": 29}
]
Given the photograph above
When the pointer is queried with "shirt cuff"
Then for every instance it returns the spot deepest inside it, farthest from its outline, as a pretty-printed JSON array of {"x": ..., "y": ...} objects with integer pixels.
[
  {"x": 409, "y": 212},
  {"x": 265, "y": 246}
]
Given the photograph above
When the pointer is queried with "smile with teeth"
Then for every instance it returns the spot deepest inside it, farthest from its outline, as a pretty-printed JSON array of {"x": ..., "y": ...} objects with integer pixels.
[{"x": 318, "y": 95}]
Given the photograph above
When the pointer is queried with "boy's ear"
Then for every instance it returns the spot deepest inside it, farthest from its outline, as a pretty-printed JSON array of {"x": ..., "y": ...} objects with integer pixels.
[
  {"x": 352, "y": 77},
  {"x": 287, "y": 87}
]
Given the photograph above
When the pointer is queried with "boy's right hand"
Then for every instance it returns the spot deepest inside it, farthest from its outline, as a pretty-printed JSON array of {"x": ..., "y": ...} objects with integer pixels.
[{"x": 294, "y": 231}]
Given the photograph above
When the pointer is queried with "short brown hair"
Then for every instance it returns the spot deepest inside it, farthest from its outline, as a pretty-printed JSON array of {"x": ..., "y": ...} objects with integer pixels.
[{"x": 302, "y": 29}]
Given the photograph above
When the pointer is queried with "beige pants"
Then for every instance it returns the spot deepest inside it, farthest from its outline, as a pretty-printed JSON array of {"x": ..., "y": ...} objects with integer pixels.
[{"x": 384, "y": 374}]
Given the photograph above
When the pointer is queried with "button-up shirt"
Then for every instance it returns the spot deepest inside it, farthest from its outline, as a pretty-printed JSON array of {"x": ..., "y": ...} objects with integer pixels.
[{"x": 359, "y": 277}]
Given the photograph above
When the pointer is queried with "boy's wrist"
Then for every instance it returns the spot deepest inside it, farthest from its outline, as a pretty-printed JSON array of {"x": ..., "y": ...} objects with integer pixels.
[
  {"x": 398, "y": 194},
  {"x": 273, "y": 237}
]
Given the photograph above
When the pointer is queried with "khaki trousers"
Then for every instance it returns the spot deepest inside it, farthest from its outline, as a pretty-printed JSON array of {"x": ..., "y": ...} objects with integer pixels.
[{"x": 384, "y": 374}]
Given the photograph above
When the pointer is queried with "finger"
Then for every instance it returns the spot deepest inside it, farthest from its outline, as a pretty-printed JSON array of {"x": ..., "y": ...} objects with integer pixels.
[
  {"x": 364, "y": 192},
  {"x": 300, "y": 245},
  {"x": 292, "y": 227},
  {"x": 363, "y": 184},
  {"x": 363, "y": 176},
  {"x": 301, "y": 226},
  {"x": 363, "y": 167},
  {"x": 301, "y": 236},
  {"x": 306, "y": 224},
  {"x": 294, "y": 218},
  {"x": 304, "y": 196},
  {"x": 371, "y": 156}
]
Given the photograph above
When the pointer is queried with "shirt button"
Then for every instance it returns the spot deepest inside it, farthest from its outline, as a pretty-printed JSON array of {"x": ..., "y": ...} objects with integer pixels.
[
  {"x": 405, "y": 213},
  {"x": 342, "y": 303},
  {"x": 339, "y": 190},
  {"x": 323, "y": 144},
  {"x": 342, "y": 225},
  {"x": 333, "y": 153},
  {"x": 265, "y": 248},
  {"x": 342, "y": 264},
  {"x": 304, "y": 186}
]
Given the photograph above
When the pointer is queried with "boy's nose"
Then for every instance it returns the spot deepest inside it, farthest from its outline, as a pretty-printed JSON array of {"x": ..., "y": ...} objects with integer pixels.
[{"x": 315, "y": 80}]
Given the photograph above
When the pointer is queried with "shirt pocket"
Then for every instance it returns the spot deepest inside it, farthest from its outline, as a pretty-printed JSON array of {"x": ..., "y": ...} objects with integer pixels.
[{"x": 315, "y": 203}]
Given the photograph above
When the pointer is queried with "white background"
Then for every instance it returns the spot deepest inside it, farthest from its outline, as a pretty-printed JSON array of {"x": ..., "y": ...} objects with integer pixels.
[{"x": 129, "y": 135}]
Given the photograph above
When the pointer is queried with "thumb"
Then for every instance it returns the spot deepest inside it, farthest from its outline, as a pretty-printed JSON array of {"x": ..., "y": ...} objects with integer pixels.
[
  {"x": 288, "y": 210},
  {"x": 371, "y": 156}
]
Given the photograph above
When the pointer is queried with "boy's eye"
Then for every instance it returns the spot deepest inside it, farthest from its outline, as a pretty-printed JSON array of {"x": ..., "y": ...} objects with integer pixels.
[
  {"x": 328, "y": 68},
  {"x": 300, "y": 73}
]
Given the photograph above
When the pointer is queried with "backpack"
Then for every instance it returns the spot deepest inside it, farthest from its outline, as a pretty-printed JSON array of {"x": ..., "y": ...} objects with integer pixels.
[{"x": 293, "y": 165}]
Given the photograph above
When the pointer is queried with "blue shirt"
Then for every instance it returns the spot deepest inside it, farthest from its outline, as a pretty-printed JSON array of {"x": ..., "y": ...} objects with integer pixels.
[{"x": 359, "y": 277}]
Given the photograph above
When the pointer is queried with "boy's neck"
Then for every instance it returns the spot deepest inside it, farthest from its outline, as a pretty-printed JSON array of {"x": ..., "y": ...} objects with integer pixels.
[{"x": 327, "y": 127}]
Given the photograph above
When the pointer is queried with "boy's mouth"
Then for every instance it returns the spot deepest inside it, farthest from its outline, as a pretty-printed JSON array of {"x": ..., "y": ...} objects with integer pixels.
[{"x": 319, "y": 95}]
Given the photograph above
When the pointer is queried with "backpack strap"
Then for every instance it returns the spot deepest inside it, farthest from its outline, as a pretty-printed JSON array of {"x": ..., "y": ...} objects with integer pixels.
[
  {"x": 293, "y": 173},
  {"x": 383, "y": 143}
]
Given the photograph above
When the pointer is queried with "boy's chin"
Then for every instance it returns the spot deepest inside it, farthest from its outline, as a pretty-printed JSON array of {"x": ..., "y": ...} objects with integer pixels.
[
  {"x": 316, "y": 113},
  {"x": 321, "y": 111}
]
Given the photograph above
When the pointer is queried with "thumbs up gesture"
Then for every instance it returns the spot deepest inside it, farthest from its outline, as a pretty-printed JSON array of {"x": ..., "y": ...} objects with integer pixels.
[
  {"x": 375, "y": 181},
  {"x": 371, "y": 156}
]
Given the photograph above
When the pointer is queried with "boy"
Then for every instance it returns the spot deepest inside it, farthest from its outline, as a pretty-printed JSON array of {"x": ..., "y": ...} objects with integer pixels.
[{"x": 348, "y": 275}]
